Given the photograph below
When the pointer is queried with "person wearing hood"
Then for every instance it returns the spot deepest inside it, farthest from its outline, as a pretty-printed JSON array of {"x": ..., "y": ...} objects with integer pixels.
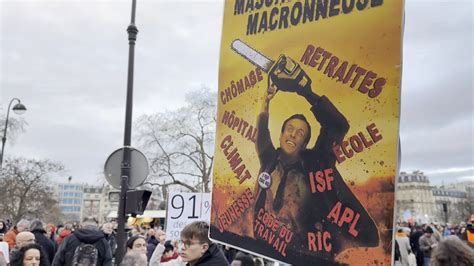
[
  {"x": 37, "y": 228},
  {"x": 88, "y": 234}
]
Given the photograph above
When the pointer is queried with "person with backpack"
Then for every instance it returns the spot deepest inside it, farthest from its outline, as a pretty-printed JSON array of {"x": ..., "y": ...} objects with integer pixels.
[{"x": 86, "y": 246}]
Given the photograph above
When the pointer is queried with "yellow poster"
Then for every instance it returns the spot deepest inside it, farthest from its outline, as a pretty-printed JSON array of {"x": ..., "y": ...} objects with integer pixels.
[{"x": 307, "y": 130}]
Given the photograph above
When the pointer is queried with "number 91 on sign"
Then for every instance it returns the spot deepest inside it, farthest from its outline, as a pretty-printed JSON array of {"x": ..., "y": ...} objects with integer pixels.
[{"x": 185, "y": 208}]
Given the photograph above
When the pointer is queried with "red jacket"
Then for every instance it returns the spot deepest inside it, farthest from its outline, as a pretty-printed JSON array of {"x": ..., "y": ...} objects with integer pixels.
[{"x": 64, "y": 233}]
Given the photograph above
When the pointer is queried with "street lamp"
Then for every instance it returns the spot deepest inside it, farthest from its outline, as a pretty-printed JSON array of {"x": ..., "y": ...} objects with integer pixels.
[{"x": 19, "y": 109}]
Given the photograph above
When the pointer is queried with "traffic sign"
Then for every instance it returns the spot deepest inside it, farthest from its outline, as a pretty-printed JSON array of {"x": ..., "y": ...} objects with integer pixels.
[{"x": 138, "y": 168}]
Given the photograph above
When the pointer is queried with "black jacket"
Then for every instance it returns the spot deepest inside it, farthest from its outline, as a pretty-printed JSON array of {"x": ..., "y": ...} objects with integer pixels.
[
  {"x": 152, "y": 242},
  {"x": 316, "y": 206},
  {"x": 45, "y": 243},
  {"x": 213, "y": 257},
  {"x": 88, "y": 236}
]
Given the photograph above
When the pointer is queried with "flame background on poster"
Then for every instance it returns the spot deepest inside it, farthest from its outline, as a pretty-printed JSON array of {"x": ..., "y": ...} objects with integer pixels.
[{"x": 371, "y": 39}]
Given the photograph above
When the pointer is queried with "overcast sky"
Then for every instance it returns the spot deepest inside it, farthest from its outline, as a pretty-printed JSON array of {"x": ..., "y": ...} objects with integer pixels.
[{"x": 67, "y": 62}]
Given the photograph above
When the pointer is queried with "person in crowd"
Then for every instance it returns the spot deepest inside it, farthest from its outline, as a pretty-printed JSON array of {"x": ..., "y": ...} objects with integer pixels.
[
  {"x": 3, "y": 229},
  {"x": 37, "y": 228},
  {"x": 65, "y": 232},
  {"x": 22, "y": 239},
  {"x": 468, "y": 234},
  {"x": 137, "y": 243},
  {"x": 25, "y": 238},
  {"x": 436, "y": 233},
  {"x": 447, "y": 230},
  {"x": 415, "y": 244},
  {"x": 229, "y": 253},
  {"x": 51, "y": 235},
  {"x": 30, "y": 255},
  {"x": 10, "y": 236},
  {"x": 452, "y": 251},
  {"x": 427, "y": 244},
  {"x": 403, "y": 245},
  {"x": 134, "y": 230},
  {"x": 108, "y": 230},
  {"x": 89, "y": 234},
  {"x": 196, "y": 248},
  {"x": 152, "y": 242},
  {"x": 396, "y": 256},
  {"x": 59, "y": 228},
  {"x": 169, "y": 254},
  {"x": 134, "y": 258},
  {"x": 242, "y": 259}
]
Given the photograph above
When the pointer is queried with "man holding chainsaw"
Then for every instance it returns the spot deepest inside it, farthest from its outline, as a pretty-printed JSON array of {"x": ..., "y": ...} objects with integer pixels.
[{"x": 301, "y": 187}]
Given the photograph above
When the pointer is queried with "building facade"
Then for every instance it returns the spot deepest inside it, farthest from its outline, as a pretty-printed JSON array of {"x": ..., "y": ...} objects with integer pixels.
[
  {"x": 92, "y": 202},
  {"x": 451, "y": 205},
  {"x": 418, "y": 201},
  {"x": 414, "y": 197},
  {"x": 110, "y": 202},
  {"x": 69, "y": 197}
]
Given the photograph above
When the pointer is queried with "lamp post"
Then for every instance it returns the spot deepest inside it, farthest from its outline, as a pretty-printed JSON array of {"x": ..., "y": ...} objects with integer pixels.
[
  {"x": 19, "y": 109},
  {"x": 126, "y": 161}
]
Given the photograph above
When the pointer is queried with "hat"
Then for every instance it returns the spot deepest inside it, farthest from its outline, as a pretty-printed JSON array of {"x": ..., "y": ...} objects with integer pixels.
[{"x": 429, "y": 230}]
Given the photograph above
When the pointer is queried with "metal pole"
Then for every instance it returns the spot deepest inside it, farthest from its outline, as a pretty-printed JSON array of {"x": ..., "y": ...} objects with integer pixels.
[
  {"x": 4, "y": 138},
  {"x": 126, "y": 162}
]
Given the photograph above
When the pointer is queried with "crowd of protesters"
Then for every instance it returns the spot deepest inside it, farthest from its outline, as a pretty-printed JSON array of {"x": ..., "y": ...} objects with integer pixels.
[
  {"x": 34, "y": 243},
  {"x": 434, "y": 244}
]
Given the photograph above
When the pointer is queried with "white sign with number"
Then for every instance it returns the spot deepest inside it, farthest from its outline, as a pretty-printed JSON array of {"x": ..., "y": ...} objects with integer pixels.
[{"x": 185, "y": 208}]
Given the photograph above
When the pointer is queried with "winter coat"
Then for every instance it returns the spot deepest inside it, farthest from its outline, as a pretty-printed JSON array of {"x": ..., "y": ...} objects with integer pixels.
[
  {"x": 425, "y": 245},
  {"x": 88, "y": 236},
  {"x": 45, "y": 243},
  {"x": 112, "y": 243},
  {"x": 405, "y": 249},
  {"x": 152, "y": 242}
]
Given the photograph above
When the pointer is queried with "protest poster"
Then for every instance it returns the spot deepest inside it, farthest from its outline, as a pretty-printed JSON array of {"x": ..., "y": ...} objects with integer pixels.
[
  {"x": 307, "y": 130},
  {"x": 184, "y": 208},
  {"x": 4, "y": 251}
]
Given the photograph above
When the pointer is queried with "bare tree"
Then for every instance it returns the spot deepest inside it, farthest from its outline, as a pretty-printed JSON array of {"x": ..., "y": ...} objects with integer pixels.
[
  {"x": 25, "y": 191},
  {"x": 15, "y": 127},
  {"x": 179, "y": 144}
]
